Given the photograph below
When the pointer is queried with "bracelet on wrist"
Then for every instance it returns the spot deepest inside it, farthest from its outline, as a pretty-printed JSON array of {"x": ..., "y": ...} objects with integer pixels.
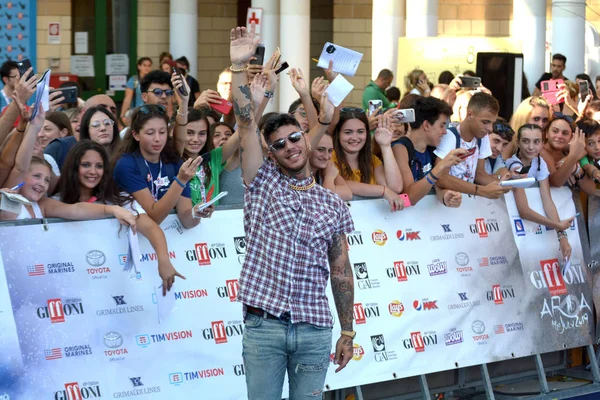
[
  {"x": 323, "y": 123},
  {"x": 433, "y": 176},
  {"x": 429, "y": 180},
  {"x": 561, "y": 235},
  {"x": 176, "y": 179},
  {"x": 269, "y": 95},
  {"x": 21, "y": 131},
  {"x": 238, "y": 70},
  {"x": 183, "y": 115}
]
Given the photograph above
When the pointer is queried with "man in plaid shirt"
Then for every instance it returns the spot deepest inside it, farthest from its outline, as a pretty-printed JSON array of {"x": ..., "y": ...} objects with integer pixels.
[{"x": 294, "y": 228}]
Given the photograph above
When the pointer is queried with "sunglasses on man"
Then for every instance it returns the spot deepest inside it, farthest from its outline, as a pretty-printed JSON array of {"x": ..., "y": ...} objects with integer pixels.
[
  {"x": 159, "y": 92},
  {"x": 279, "y": 145}
]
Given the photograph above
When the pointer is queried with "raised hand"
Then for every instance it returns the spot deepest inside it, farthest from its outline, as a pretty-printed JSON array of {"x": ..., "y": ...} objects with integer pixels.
[
  {"x": 298, "y": 81},
  {"x": 25, "y": 88},
  {"x": 577, "y": 144},
  {"x": 243, "y": 45},
  {"x": 258, "y": 87},
  {"x": 383, "y": 134},
  {"x": 206, "y": 98},
  {"x": 178, "y": 82},
  {"x": 327, "y": 108},
  {"x": 317, "y": 87}
]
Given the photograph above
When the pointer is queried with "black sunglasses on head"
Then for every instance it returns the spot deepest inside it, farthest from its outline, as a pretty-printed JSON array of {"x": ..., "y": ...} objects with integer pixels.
[
  {"x": 352, "y": 109},
  {"x": 280, "y": 144},
  {"x": 148, "y": 108},
  {"x": 559, "y": 115}
]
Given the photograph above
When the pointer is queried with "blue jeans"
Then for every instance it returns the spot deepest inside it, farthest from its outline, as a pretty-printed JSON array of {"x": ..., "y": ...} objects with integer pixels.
[{"x": 270, "y": 347}]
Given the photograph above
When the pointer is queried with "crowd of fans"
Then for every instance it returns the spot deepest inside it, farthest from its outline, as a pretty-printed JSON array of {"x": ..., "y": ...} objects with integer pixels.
[{"x": 168, "y": 148}]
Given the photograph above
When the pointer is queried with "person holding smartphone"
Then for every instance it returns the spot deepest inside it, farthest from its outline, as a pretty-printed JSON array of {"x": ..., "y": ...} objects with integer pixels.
[
  {"x": 375, "y": 90},
  {"x": 416, "y": 82}
]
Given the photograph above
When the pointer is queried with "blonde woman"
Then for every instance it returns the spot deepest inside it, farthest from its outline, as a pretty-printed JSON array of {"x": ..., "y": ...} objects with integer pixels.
[
  {"x": 416, "y": 82},
  {"x": 533, "y": 110}
]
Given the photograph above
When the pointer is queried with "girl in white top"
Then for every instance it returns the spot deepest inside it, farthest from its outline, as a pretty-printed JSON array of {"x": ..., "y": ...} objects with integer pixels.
[
  {"x": 34, "y": 189},
  {"x": 87, "y": 178},
  {"x": 528, "y": 163}
]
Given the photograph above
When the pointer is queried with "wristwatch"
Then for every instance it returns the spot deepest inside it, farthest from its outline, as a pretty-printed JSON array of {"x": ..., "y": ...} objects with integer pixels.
[{"x": 350, "y": 334}]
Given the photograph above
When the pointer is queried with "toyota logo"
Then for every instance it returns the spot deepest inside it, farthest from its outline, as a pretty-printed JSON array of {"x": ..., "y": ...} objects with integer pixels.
[
  {"x": 113, "y": 340},
  {"x": 95, "y": 258},
  {"x": 462, "y": 259},
  {"x": 478, "y": 327}
]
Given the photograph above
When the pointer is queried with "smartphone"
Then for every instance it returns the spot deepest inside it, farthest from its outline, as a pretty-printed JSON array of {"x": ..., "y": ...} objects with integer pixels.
[
  {"x": 374, "y": 105},
  {"x": 550, "y": 90},
  {"x": 259, "y": 55},
  {"x": 470, "y": 152},
  {"x": 182, "y": 90},
  {"x": 404, "y": 115},
  {"x": 470, "y": 82},
  {"x": 405, "y": 199},
  {"x": 69, "y": 93},
  {"x": 224, "y": 106},
  {"x": 584, "y": 89},
  {"x": 283, "y": 67},
  {"x": 23, "y": 66}
]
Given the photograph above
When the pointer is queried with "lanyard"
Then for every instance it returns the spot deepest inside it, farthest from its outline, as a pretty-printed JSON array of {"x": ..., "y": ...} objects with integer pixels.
[
  {"x": 200, "y": 174},
  {"x": 156, "y": 185}
]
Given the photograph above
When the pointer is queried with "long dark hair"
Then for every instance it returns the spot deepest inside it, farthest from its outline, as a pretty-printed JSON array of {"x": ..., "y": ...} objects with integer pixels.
[
  {"x": 365, "y": 159},
  {"x": 84, "y": 127},
  {"x": 140, "y": 117},
  {"x": 193, "y": 116},
  {"x": 70, "y": 189}
]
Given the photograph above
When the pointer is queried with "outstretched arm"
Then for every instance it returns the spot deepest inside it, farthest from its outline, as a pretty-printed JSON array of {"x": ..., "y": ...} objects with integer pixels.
[
  {"x": 242, "y": 47},
  {"x": 342, "y": 286}
]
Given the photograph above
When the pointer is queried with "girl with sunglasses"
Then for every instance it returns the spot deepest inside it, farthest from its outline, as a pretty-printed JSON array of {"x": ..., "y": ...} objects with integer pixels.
[
  {"x": 87, "y": 178},
  {"x": 148, "y": 167},
  {"x": 364, "y": 172},
  {"x": 533, "y": 110},
  {"x": 99, "y": 125},
  {"x": 564, "y": 147},
  {"x": 527, "y": 161}
]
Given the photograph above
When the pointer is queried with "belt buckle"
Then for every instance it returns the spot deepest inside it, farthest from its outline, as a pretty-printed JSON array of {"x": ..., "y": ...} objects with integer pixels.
[{"x": 285, "y": 317}]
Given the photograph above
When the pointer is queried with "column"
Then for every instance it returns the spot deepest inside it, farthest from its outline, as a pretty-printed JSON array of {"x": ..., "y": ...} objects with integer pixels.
[
  {"x": 269, "y": 35},
  {"x": 422, "y": 18},
  {"x": 183, "y": 33},
  {"x": 294, "y": 39},
  {"x": 529, "y": 25},
  {"x": 388, "y": 26},
  {"x": 568, "y": 34}
]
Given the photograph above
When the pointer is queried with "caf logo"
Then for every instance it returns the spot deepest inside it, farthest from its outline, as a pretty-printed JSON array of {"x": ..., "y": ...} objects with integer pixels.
[
  {"x": 360, "y": 269},
  {"x": 378, "y": 342},
  {"x": 240, "y": 244}
]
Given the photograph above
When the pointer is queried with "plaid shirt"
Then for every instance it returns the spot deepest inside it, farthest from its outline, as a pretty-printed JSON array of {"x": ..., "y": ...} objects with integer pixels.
[{"x": 288, "y": 235}]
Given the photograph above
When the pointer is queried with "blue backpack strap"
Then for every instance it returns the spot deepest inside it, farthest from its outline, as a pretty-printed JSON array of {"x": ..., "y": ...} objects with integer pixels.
[{"x": 456, "y": 136}]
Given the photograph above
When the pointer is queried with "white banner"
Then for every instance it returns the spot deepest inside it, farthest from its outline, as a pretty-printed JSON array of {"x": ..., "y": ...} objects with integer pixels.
[{"x": 435, "y": 289}]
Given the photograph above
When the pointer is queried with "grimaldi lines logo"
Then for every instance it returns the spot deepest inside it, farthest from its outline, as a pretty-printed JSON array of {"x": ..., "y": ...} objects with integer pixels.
[
  {"x": 136, "y": 388},
  {"x": 121, "y": 307},
  {"x": 220, "y": 331},
  {"x": 204, "y": 254},
  {"x": 76, "y": 391},
  {"x": 57, "y": 311}
]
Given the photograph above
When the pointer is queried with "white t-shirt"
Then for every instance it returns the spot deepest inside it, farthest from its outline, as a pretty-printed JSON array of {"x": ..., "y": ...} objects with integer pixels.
[
  {"x": 465, "y": 170},
  {"x": 541, "y": 173}
]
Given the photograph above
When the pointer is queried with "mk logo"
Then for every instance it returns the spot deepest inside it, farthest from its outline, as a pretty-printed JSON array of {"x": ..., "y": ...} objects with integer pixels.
[
  {"x": 446, "y": 228},
  {"x": 137, "y": 381},
  {"x": 463, "y": 296},
  {"x": 119, "y": 300}
]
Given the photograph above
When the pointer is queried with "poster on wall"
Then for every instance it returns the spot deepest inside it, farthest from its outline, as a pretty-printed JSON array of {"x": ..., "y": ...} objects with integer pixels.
[{"x": 17, "y": 30}]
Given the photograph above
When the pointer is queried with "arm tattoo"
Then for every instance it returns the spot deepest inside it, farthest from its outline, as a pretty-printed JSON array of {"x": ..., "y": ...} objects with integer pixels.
[
  {"x": 342, "y": 283},
  {"x": 246, "y": 91},
  {"x": 244, "y": 113}
]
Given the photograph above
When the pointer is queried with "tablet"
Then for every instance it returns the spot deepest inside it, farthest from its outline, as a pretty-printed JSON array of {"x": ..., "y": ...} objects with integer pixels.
[{"x": 518, "y": 183}]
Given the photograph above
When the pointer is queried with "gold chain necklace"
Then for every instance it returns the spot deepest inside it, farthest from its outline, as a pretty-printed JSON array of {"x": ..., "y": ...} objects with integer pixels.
[{"x": 309, "y": 186}]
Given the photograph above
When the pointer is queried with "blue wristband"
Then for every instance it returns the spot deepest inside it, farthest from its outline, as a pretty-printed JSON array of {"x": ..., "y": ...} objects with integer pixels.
[
  {"x": 178, "y": 181},
  {"x": 429, "y": 180}
]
